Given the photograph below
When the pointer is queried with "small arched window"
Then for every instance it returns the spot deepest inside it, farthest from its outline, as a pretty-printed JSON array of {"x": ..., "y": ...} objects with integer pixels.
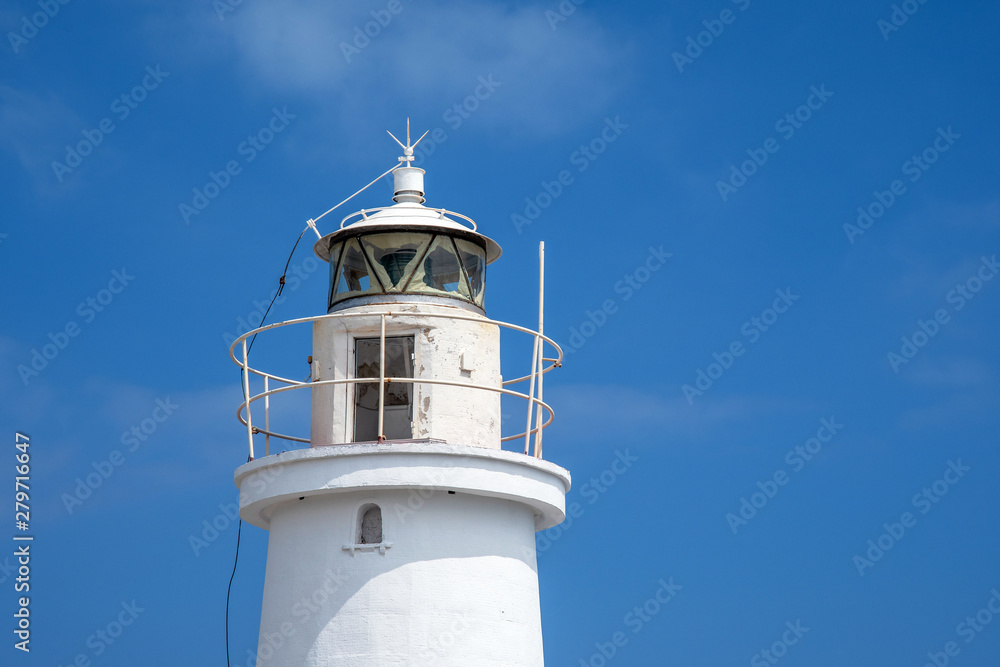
[
  {"x": 370, "y": 525},
  {"x": 368, "y": 535}
]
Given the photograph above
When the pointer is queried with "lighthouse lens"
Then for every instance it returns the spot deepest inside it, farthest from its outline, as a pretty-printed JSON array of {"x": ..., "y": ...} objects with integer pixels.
[
  {"x": 394, "y": 256},
  {"x": 395, "y": 264}
]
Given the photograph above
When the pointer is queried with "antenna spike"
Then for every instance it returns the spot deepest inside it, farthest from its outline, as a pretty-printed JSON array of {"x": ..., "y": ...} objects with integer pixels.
[
  {"x": 420, "y": 139},
  {"x": 407, "y": 157},
  {"x": 397, "y": 140}
]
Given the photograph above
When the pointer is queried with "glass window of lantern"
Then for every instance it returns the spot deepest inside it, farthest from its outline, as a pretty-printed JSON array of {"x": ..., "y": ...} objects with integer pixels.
[
  {"x": 474, "y": 261},
  {"x": 394, "y": 256},
  {"x": 440, "y": 271},
  {"x": 353, "y": 274},
  {"x": 334, "y": 265}
]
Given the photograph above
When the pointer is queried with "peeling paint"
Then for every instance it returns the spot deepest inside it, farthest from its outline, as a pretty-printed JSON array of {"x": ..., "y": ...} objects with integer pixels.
[{"x": 463, "y": 350}]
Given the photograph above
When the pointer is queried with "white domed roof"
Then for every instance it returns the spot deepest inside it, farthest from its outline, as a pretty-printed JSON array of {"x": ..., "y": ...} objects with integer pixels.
[{"x": 407, "y": 216}]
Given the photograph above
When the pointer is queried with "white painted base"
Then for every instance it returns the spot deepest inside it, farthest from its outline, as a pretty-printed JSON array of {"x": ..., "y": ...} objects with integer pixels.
[{"x": 454, "y": 580}]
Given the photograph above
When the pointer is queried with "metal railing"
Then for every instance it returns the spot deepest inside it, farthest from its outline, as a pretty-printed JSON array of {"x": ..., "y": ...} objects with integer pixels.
[
  {"x": 532, "y": 434},
  {"x": 363, "y": 215}
]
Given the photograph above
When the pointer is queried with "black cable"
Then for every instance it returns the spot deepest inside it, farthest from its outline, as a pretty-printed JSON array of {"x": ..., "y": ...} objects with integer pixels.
[
  {"x": 239, "y": 530},
  {"x": 281, "y": 286}
]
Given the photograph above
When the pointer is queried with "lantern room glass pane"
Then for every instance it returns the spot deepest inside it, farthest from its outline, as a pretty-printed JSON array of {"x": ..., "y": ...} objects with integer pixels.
[
  {"x": 474, "y": 261},
  {"x": 334, "y": 265},
  {"x": 407, "y": 262},
  {"x": 440, "y": 271},
  {"x": 353, "y": 275},
  {"x": 395, "y": 256}
]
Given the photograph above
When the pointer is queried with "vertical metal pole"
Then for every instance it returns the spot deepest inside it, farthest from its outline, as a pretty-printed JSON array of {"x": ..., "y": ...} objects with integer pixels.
[
  {"x": 540, "y": 419},
  {"x": 381, "y": 380},
  {"x": 267, "y": 420},
  {"x": 246, "y": 395},
  {"x": 531, "y": 398}
]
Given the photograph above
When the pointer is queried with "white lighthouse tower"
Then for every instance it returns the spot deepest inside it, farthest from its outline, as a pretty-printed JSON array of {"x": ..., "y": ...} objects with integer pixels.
[{"x": 401, "y": 531}]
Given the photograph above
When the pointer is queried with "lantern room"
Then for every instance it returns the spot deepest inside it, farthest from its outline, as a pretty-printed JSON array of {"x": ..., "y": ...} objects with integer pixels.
[{"x": 407, "y": 252}]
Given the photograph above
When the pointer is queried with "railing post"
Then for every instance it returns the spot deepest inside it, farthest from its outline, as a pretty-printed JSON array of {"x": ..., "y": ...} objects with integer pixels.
[
  {"x": 246, "y": 395},
  {"x": 531, "y": 398},
  {"x": 267, "y": 420},
  {"x": 381, "y": 379}
]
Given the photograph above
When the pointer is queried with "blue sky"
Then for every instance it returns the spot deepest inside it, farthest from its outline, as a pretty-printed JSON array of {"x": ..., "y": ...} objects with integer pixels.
[{"x": 741, "y": 138}]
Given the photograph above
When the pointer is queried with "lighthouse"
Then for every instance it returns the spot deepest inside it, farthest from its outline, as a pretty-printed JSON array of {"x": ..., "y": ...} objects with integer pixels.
[{"x": 402, "y": 525}]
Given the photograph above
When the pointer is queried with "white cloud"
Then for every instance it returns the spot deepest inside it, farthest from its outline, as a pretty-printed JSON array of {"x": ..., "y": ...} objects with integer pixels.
[
  {"x": 603, "y": 411},
  {"x": 429, "y": 57},
  {"x": 926, "y": 278},
  {"x": 955, "y": 409},
  {"x": 951, "y": 372},
  {"x": 983, "y": 215}
]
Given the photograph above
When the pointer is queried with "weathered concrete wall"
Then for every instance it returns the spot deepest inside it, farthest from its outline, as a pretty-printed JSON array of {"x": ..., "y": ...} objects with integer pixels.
[{"x": 444, "y": 349}]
